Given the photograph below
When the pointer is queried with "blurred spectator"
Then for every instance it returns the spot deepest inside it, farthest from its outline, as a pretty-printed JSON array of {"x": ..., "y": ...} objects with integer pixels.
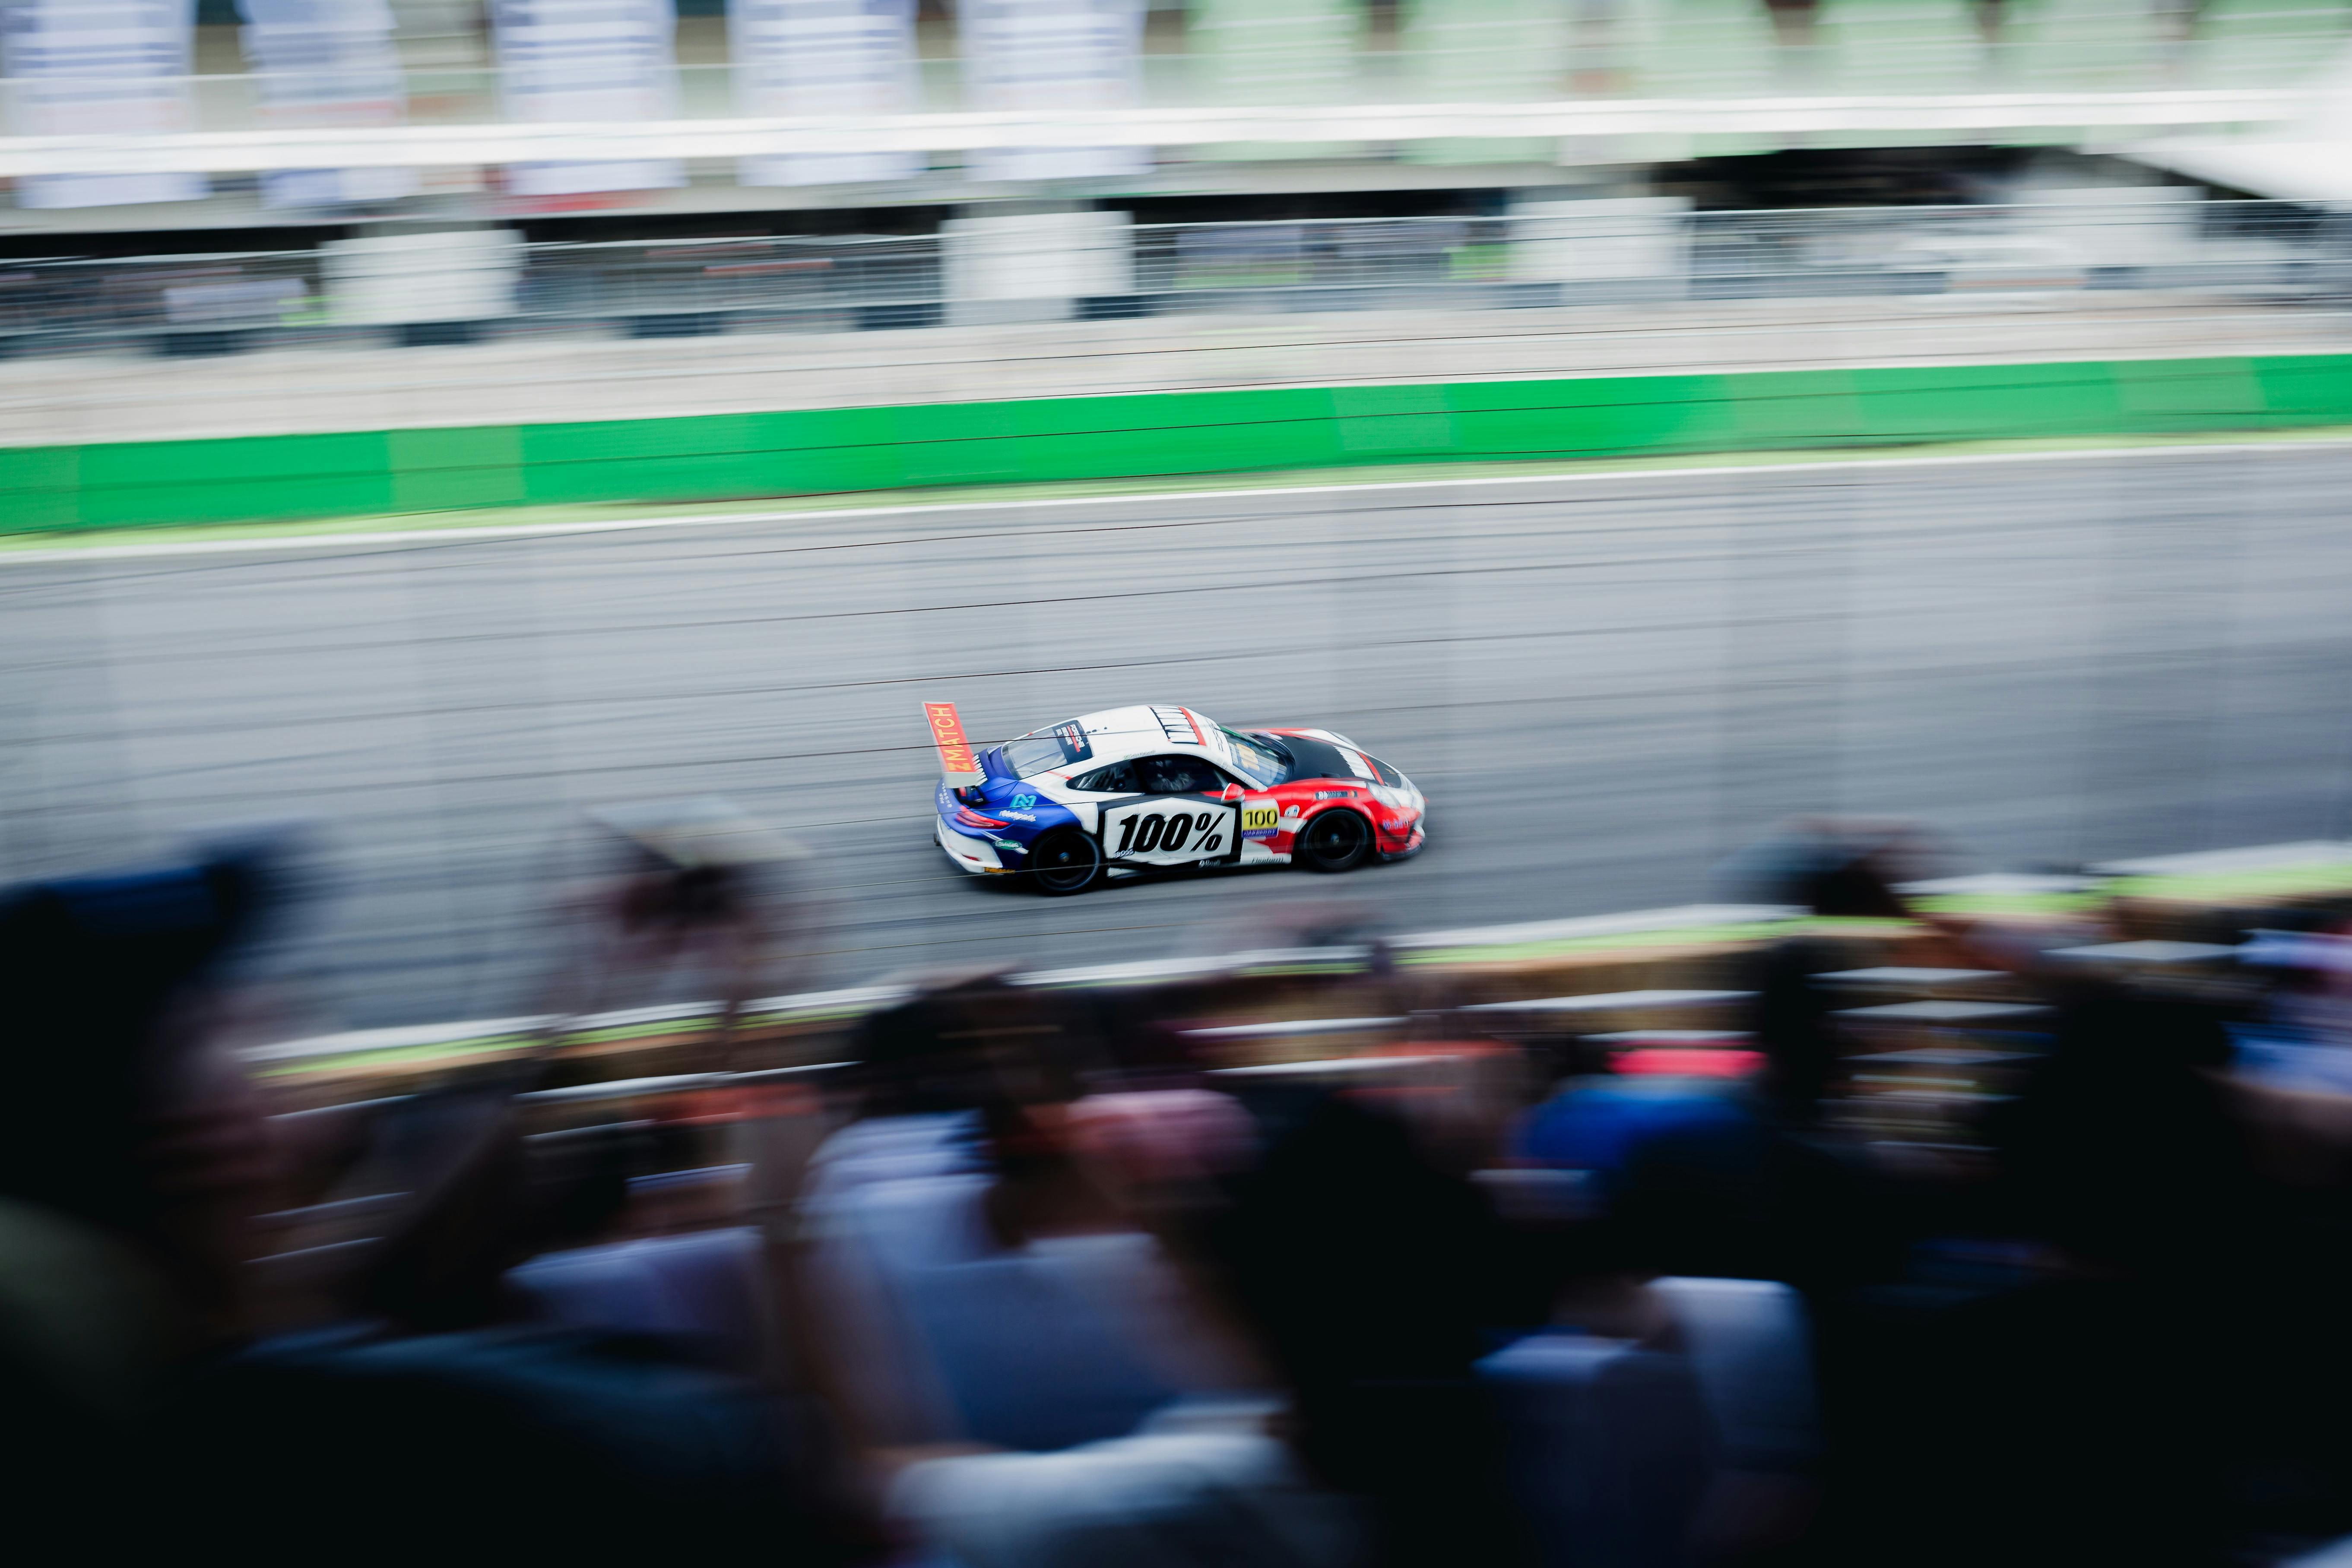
[
  {"x": 1828, "y": 869},
  {"x": 2123, "y": 1149},
  {"x": 1597, "y": 1123},
  {"x": 1662, "y": 1421},
  {"x": 1796, "y": 32},
  {"x": 2088, "y": 1412},
  {"x": 2309, "y": 1001},
  {"x": 1373, "y": 1277},
  {"x": 1036, "y": 1381},
  {"x": 135, "y": 1160},
  {"x": 444, "y": 1408},
  {"x": 1051, "y": 1301},
  {"x": 689, "y": 901},
  {"x": 432, "y": 1416}
]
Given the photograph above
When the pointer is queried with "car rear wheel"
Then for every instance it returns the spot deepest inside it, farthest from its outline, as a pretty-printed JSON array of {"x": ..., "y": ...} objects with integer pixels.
[
  {"x": 1339, "y": 840},
  {"x": 1064, "y": 862}
]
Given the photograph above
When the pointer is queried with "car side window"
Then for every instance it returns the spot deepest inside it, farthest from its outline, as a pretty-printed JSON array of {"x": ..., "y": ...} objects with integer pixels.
[
  {"x": 1179, "y": 775},
  {"x": 1117, "y": 779}
]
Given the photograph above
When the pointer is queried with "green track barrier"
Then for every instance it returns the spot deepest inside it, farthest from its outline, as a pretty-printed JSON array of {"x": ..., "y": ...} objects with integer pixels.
[{"x": 707, "y": 457}]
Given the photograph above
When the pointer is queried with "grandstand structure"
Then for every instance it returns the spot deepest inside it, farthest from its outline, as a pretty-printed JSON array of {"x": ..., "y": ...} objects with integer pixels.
[{"x": 434, "y": 111}]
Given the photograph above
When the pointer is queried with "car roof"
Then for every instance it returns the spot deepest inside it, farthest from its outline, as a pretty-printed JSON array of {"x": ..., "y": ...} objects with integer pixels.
[{"x": 1146, "y": 730}]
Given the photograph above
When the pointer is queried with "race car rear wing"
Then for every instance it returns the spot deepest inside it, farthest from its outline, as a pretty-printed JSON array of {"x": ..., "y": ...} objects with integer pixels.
[{"x": 959, "y": 763}]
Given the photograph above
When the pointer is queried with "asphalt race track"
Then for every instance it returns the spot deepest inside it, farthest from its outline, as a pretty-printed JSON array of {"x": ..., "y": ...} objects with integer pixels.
[{"x": 1604, "y": 684}]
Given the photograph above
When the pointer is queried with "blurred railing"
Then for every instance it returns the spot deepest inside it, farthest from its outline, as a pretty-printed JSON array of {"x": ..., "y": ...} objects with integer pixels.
[
  {"x": 69, "y": 303},
  {"x": 2274, "y": 248},
  {"x": 757, "y": 282},
  {"x": 2266, "y": 251}
]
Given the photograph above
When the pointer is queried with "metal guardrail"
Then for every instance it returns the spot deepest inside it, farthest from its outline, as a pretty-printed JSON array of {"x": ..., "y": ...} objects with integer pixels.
[
  {"x": 705, "y": 285},
  {"x": 71, "y": 302},
  {"x": 211, "y": 303}
]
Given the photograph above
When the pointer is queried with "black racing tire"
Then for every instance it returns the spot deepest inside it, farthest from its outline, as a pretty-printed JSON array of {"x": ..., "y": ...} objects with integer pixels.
[
  {"x": 1337, "y": 840},
  {"x": 1063, "y": 862}
]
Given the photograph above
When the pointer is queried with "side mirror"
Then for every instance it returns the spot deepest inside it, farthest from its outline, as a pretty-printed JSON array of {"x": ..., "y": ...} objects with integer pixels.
[{"x": 1232, "y": 793}]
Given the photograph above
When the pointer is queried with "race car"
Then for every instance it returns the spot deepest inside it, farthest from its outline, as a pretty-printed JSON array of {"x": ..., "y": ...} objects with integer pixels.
[{"x": 1132, "y": 790}]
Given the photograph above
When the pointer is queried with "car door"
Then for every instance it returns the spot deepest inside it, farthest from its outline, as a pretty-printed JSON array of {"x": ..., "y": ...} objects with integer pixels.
[{"x": 1180, "y": 817}]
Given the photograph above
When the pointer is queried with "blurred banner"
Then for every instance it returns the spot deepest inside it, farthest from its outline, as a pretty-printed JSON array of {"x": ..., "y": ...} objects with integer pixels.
[
  {"x": 1068, "y": 55},
  {"x": 101, "y": 67},
  {"x": 1479, "y": 51},
  {"x": 1275, "y": 52},
  {"x": 826, "y": 57},
  {"x": 327, "y": 62},
  {"x": 601, "y": 60}
]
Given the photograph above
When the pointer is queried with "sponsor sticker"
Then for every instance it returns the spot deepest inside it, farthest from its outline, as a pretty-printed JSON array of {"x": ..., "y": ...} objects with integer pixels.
[
  {"x": 1178, "y": 725},
  {"x": 1021, "y": 816},
  {"x": 1167, "y": 831},
  {"x": 1028, "y": 754},
  {"x": 1335, "y": 795},
  {"x": 1024, "y": 802},
  {"x": 957, "y": 761}
]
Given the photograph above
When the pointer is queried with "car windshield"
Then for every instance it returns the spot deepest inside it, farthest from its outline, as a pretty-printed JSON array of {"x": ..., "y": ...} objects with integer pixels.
[
  {"x": 1042, "y": 751},
  {"x": 1258, "y": 758}
]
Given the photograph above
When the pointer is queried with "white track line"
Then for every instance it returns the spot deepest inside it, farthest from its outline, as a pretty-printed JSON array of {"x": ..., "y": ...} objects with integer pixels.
[{"x": 1148, "y": 498}]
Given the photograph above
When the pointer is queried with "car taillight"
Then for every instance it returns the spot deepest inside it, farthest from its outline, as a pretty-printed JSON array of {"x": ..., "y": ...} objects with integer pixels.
[{"x": 968, "y": 817}]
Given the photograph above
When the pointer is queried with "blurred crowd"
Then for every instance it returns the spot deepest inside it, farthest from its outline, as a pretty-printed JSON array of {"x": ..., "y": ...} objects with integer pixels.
[{"x": 1033, "y": 1280}]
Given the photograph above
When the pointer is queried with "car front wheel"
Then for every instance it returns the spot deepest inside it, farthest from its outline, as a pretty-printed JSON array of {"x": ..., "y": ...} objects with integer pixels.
[{"x": 1339, "y": 840}]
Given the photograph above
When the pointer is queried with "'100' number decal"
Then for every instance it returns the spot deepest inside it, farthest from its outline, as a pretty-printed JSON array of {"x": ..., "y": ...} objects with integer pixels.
[{"x": 1182, "y": 833}]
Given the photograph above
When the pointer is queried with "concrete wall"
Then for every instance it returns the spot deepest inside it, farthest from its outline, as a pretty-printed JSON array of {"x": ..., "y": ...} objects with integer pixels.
[{"x": 723, "y": 455}]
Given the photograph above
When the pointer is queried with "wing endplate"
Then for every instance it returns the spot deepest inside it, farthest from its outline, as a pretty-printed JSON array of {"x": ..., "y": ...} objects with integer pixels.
[{"x": 959, "y": 763}]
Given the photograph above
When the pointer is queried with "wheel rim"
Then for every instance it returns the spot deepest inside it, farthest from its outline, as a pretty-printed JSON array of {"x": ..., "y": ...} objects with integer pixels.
[
  {"x": 1336, "y": 835},
  {"x": 1068, "y": 863}
]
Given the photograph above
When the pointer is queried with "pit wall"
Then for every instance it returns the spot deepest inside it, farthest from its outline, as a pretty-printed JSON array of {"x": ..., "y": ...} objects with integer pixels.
[{"x": 710, "y": 457}]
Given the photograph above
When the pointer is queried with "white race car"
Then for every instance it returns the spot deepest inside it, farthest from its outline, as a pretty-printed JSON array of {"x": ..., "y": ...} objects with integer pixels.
[{"x": 1135, "y": 789}]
